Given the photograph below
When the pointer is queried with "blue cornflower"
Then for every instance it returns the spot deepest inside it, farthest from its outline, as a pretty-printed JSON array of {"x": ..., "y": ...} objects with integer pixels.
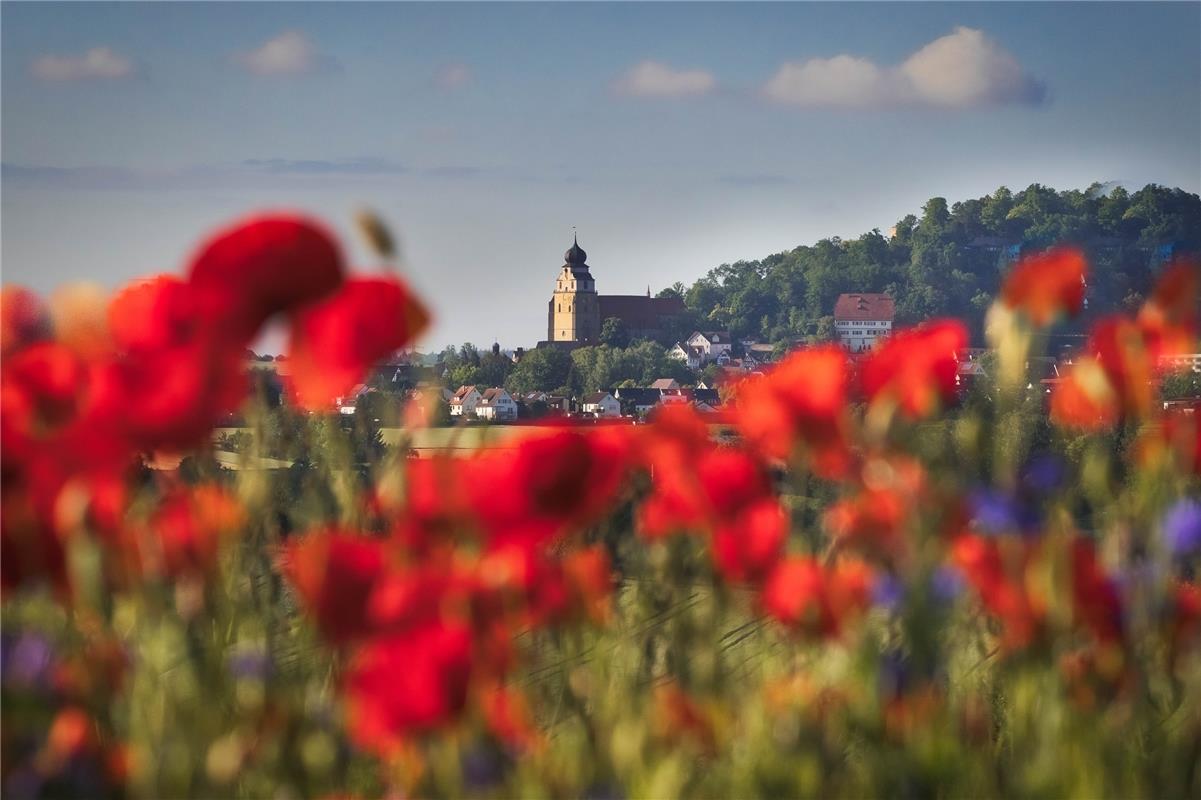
[{"x": 1182, "y": 528}]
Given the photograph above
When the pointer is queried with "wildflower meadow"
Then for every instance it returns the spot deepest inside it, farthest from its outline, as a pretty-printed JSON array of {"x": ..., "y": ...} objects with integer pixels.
[{"x": 863, "y": 577}]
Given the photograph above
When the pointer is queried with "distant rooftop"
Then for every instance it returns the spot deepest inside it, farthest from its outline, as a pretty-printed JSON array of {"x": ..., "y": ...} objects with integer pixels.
[{"x": 864, "y": 306}]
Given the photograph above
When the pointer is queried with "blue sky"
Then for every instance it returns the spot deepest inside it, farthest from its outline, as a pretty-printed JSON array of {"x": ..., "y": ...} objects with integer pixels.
[{"x": 674, "y": 136}]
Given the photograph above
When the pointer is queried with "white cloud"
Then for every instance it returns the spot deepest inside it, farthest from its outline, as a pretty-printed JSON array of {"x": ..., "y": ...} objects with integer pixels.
[
  {"x": 655, "y": 79},
  {"x": 452, "y": 76},
  {"x": 964, "y": 69},
  {"x": 289, "y": 53},
  {"x": 99, "y": 63}
]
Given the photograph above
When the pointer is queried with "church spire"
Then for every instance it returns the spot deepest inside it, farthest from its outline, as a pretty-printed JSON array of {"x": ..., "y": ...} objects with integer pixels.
[{"x": 575, "y": 256}]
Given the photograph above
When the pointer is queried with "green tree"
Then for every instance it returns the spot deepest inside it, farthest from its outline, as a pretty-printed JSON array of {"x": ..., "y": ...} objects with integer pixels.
[
  {"x": 544, "y": 369},
  {"x": 614, "y": 332}
]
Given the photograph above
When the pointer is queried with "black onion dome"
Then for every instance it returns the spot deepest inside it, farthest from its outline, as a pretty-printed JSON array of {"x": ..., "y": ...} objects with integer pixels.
[{"x": 575, "y": 255}]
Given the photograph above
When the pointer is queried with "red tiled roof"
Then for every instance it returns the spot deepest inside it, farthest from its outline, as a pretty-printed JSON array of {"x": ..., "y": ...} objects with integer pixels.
[
  {"x": 639, "y": 312},
  {"x": 491, "y": 395},
  {"x": 864, "y": 306}
]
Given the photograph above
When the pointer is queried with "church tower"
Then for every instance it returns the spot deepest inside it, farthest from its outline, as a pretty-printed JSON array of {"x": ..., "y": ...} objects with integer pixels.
[{"x": 574, "y": 314}]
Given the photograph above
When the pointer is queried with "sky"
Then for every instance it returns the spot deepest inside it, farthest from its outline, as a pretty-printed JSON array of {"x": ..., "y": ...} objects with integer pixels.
[{"x": 673, "y": 136}]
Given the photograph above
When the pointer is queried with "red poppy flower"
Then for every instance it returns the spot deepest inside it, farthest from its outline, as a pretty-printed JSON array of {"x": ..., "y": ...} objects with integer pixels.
[
  {"x": 44, "y": 391},
  {"x": 413, "y": 595},
  {"x": 262, "y": 266},
  {"x": 700, "y": 489},
  {"x": 796, "y": 594},
  {"x": 548, "y": 483},
  {"x": 508, "y": 717},
  {"x": 406, "y": 684},
  {"x": 156, "y": 313},
  {"x": 1120, "y": 349},
  {"x": 336, "y": 575},
  {"x": 1002, "y": 593},
  {"x": 1083, "y": 398},
  {"x": 30, "y": 550},
  {"x": 850, "y": 587},
  {"x": 748, "y": 546},
  {"x": 336, "y": 340},
  {"x": 176, "y": 373},
  {"x": 802, "y": 401},
  {"x": 1095, "y": 596},
  {"x": 588, "y": 576},
  {"x": 186, "y": 530},
  {"x": 871, "y": 521},
  {"x": 1168, "y": 320},
  {"x": 1048, "y": 284},
  {"x": 526, "y": 587},
  {"x": 916, "y": 368},
  {"x": 170, "y": 399}
]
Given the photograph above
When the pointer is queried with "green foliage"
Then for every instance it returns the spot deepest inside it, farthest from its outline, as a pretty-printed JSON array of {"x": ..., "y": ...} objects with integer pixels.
[
  {"x": 615, "y": 333},
  {"x": 603, "y": 367},
  {"x": 542, "y": 370},
  {"x": 950, "y": 261},
  {"x": 1181, "y": 386}
]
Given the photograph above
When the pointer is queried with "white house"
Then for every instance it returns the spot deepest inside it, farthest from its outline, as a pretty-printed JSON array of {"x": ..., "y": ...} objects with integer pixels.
[
  {"x": 710, "y": 344},
  {"x": 465, "y": 401},
  {"x": 861, "y": 320},
  {"x": 666, "y": 385},
  {"x": 602, "y": 404},
  {"x": 496, "y": 404},
  {"x": 692, "y": 356}
]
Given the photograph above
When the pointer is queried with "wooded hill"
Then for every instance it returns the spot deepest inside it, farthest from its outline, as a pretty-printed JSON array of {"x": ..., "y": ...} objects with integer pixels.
[{"x": 950, "y": 260}]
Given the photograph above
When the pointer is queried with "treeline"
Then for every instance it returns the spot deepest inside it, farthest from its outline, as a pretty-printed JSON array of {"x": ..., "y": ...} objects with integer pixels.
[
  {"x": 584, "y": 370},
  {"x": 950, "y": 260}
]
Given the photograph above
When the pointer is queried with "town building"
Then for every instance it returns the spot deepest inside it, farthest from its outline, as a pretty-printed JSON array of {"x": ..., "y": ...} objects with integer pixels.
[
  {"x": 693, "y": 357},
  {"x": 464, "y": 401},
  {"x": 638, "y": 400},
  {"x": 703, "y": 347},
  {"x": 860, "y": 320},
  {"x": 576, "y": 312},
  {"x": 602, "y": 404},
  {"x": 496, "y": 404},
  {"x": 712, "y": 344}
]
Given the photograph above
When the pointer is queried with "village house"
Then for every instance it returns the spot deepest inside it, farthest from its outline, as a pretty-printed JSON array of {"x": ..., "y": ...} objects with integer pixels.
[
  {"x": 713, "y": 344},
  {"x": 496, "y": 404},
  {"x": 860, "y": 320},
  {"x": 761, "y": 352},
  {"x": 703, "y": 347},
  {"x": 464, "y": 401},
  {"x": 705, "y": 397},
  {"x": 693, "y": 357},
  {"x": 602, "y": 404},
  {"x": 638, "y": 400}
]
